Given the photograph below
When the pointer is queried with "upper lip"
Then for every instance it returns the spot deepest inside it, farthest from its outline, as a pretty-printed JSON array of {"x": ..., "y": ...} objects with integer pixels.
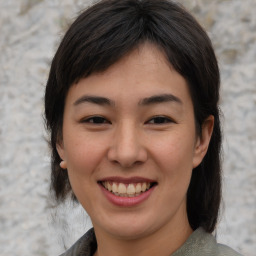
[{"x": 129, "y": 180}]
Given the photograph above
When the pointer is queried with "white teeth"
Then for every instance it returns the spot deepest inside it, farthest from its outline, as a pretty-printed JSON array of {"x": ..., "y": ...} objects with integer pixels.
[
  {"x": 114, "y": 187},
  {"x": 109, "y": 186},
  {"x": 138, "y": 188},
  {"x": 121, "y": 189},
  {"x": 130, "y": 189},
  {"x": 126, "y": 190}
]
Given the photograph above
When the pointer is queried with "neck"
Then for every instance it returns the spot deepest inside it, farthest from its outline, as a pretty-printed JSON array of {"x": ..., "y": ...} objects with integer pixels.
[{"x": 162, "y": 242}]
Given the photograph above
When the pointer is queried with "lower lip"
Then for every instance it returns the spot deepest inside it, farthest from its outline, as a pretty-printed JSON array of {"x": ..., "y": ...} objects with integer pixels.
[{"x": 127, "y": 201}]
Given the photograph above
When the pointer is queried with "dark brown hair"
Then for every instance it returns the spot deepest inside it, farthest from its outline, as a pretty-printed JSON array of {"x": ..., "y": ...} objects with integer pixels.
[{"x": 101, "y": 36}]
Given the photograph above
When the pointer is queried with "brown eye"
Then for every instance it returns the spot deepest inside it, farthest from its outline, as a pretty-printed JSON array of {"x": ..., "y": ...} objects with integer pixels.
[
  {"x": 160, "y": 120},
  {"x": 96, "y": 120}
]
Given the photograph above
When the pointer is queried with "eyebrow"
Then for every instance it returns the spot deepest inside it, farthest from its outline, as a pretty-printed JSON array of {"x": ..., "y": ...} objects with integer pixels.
[
  {"x": 161, "y": 98},
  {"x": 94, "y": 99}
]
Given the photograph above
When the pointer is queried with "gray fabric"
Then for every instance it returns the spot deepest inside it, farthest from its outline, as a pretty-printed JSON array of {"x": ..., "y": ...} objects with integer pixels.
[
  {"x": 85, "y": 246},
  {"x": 200, "y": 243}
]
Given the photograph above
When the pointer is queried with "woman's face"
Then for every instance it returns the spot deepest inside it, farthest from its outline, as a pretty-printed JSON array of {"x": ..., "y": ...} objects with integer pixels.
[{"x": 130, "y": 145}]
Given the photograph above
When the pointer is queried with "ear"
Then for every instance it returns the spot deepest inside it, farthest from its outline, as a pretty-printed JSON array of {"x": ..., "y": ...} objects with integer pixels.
[
  {"x": 60, "y": 149},
  {"x": 203, "y": 141}
]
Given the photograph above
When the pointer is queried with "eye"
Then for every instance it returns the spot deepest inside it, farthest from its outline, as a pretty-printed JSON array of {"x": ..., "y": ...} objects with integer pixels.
[
  {"x": 160, "y": 120},
  {"x": 96, "y": 120}
]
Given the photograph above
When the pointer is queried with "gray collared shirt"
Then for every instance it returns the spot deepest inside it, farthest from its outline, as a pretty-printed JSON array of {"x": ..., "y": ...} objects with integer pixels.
[{"x": 200, "y": 243}]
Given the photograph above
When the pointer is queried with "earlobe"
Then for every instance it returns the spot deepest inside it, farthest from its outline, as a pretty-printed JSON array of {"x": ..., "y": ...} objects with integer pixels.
[
  {"x": 63, "y": 165},
  {"x": 203, "y": 141},
  {"x": 60, "y": 150}
]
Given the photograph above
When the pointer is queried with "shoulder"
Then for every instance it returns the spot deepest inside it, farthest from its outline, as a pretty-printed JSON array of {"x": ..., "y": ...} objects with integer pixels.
[
  {"x": 227, "y": 251},
  {"x": 201, "y": 243},
  {"x": 85, "y": 246}
]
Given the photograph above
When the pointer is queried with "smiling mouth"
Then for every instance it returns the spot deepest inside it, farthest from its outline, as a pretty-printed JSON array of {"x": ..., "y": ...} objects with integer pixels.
[{"x": 127, "y": 189}]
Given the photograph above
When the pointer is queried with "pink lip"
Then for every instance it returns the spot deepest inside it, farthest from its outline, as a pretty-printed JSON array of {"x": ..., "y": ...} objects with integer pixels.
[{"x": 126, "y": 201}]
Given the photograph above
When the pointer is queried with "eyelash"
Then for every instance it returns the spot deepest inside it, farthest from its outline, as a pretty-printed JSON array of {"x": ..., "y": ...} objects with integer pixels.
[
  {"x": 98, "y": 120},
  {"x": 160, "y": 120}
]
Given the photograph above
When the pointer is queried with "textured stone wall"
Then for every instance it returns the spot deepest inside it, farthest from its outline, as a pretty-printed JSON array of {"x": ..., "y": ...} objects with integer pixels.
[{"x": 29, "y": 33}]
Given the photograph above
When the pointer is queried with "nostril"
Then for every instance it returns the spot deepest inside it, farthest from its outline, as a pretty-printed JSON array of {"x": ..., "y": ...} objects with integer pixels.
[
  {"x": 115, "y": 162},
  {"x": 138, "y": 163},
  {"x": 127, "y": 151}
]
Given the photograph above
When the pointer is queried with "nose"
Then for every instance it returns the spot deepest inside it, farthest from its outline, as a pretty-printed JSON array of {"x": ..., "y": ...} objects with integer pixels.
[{"x": 127, "y": 148}]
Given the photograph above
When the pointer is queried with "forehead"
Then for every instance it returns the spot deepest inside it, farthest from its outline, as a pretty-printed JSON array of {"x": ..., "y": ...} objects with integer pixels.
[
  {"x": 146, "y": 57},
  {"x": 142, "y": 73}
]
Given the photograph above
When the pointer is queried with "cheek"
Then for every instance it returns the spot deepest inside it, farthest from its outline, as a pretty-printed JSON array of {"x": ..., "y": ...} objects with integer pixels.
[
  {"x": 174, "y": 156},
  {"x": 83, "y": 160},
  {"x": 174, "y": 152},
  {"x": 84, "y": 154}
]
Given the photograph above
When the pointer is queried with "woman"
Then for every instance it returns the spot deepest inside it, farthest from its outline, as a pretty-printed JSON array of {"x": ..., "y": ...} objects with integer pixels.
[{"x": 131, "y": 104}]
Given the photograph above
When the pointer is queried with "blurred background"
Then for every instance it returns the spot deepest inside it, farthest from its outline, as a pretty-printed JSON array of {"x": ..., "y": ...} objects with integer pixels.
[{"x": 30, "y": 31}]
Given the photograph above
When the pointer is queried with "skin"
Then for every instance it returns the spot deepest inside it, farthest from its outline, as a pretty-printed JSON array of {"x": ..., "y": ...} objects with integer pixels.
[{"x": 128, "y": 140}]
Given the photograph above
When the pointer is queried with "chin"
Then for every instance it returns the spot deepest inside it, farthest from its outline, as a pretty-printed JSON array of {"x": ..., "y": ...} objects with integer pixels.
[
  {"x": 130, "y": 229},
  {"x": 130, "y": 233}
]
